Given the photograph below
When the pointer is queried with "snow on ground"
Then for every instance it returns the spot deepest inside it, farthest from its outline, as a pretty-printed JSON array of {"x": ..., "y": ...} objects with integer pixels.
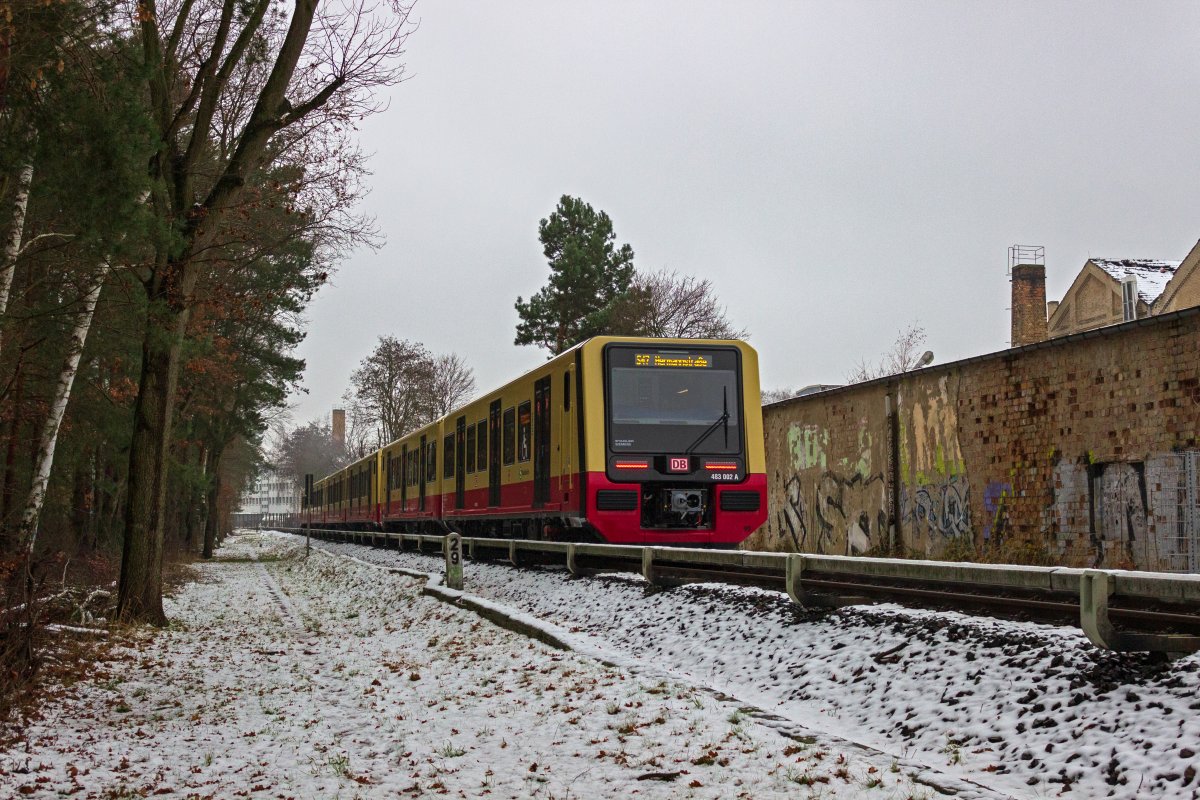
[
  {"x": 286, "y": 677},
  {"x": 1029, "y": 710}
]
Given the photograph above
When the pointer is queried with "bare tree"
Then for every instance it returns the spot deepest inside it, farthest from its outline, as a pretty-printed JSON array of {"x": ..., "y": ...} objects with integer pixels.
[
  {"x": 453, "y": 383},
  {"x": 907, "y": 353},
  {"x": 672, "y": 305},
  {"x": 314, "y": 69},
  {"x": 391, "y": 388},
  {"x": 362, "y": 429},
  {"x": 401, "y": 386}
]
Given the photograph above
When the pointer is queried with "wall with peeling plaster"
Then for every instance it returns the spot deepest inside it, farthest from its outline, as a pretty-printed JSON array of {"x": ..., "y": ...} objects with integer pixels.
[{"x": 1083, "y": 451}]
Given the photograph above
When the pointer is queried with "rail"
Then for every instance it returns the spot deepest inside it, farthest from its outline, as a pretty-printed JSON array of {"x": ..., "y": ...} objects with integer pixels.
[{"x": 1157, "y": 612}]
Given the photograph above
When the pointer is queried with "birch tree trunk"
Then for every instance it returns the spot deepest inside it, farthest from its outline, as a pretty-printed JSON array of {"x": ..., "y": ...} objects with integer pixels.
[
  {"x": 12, "y": 245},
  {"x": 44, "y": 460}
]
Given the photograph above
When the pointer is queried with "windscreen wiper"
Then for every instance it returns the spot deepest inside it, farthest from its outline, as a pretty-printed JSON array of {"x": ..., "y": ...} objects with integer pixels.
[{"x": 721, "y": 420}]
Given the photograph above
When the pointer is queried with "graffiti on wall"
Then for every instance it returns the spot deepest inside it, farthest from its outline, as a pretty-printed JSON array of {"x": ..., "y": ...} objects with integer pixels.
[
  {"x": 793, "y": 516},
  {"x": 844, "y": 507},
  {"x": 935, "y": 496},
  {"x": 995, "y": 508},
  {"x": 830, "y": 505},
  {"x": 936, "y": 510}
]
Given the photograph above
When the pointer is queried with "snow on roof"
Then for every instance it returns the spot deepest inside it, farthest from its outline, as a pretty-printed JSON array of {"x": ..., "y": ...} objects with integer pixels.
[{"x": 1152, "y": 274}]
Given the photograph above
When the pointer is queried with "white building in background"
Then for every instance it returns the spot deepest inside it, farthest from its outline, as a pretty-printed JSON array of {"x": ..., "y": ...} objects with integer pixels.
[{"x": 272, "y": 493}]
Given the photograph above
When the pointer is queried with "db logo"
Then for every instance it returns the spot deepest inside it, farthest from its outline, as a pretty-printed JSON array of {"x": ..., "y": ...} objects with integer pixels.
[{"x": 680, "y": 465}]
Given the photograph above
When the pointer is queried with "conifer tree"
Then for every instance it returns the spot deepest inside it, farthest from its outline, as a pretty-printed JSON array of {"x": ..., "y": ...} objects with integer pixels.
[{"x": 588, "y": 275}]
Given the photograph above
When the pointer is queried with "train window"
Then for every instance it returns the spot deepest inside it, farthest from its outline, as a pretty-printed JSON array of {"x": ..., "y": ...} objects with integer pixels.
[
  {"x": 431, "y": 462},
  {"x": 481, "y": 442},
  {"x": 510, "y": 435},
  {"x": 469, "y": 466},
  {"x": 448, "y": 457},
  {"x": 566, "y": 391},
  {"x": 524, "y": 430}
]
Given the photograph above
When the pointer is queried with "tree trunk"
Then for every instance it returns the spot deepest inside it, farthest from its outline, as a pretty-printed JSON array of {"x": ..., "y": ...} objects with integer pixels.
[
  {"x": 212, "y": 517},
  {"x": 139, "y": 593},
  {"x": 83, "y": 502},
  {"x": 195, "y": 512},
  {"x": 12, "y": 246},
  {"x": 10, "y": 455},
  {"x": 44, "y": 460}
]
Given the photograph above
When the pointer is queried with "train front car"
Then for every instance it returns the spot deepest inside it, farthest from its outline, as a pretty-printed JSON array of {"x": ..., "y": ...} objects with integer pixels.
[{"x": 673, "y": 441}]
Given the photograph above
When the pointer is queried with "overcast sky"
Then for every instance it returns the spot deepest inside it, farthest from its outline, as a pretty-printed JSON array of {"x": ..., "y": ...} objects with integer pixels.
[{"x": 837, "y": 170}]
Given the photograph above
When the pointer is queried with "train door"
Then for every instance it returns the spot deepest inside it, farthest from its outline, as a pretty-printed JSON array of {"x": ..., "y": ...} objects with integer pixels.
[
  {"x": 388, "y": 484},
  {"x": 494, "y": 453},
  {"x": 420, "y": 477},
  {"x": 404, "y": 477},
  {"x": 460, "y": 460},
  {"x": 541, "y": 441},
  {"x": 566, "y": 441},
  {"x": 372, "y": 506}
]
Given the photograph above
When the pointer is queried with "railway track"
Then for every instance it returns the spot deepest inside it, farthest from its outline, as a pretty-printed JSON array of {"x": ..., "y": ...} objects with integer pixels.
[{"x": 1118, "y": 610}]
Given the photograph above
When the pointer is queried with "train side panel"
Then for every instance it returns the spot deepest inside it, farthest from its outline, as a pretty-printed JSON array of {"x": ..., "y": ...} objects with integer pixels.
[{"x": 510, "y": 458}]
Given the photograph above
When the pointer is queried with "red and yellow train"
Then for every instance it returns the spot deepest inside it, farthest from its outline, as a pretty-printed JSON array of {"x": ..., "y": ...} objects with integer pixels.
[{"x": 640, "y": 441}]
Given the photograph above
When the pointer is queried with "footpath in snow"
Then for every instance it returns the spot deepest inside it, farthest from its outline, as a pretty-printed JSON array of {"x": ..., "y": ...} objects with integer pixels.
[
  {"x": 282, "y": 676},
  {"x": 1027, "y": 710}
]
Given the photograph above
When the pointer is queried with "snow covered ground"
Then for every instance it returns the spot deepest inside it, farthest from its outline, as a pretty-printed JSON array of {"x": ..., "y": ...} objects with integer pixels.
[
  {"x": 1027, "y": 710},
  {"x": 286, "y": 677}
]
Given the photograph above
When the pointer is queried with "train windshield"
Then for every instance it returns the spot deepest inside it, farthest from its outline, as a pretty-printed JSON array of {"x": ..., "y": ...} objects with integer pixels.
[{"x": 674, "y": 402}]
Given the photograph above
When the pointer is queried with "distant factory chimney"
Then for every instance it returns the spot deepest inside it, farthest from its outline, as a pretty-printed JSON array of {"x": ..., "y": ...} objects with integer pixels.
[
  {"x": 338, "y": 427},
  {"x": 1027, "y": 268}
]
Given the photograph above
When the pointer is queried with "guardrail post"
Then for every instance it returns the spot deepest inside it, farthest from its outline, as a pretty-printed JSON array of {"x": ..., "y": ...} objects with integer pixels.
[
  {"x": 1095, "y": 586},
  {"x": 471, "y": 548},
  {"x": 454, "y": 564},
  {"x": 794, "y": 578},
  {"x": 572, "y": 567},
  {"x": 648, "y": 565},
  {"x": 513, "y": 558}
]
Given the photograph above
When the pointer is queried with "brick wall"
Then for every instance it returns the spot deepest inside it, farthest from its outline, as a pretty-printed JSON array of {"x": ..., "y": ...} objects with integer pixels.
[{"x": 1076, "y": 451}]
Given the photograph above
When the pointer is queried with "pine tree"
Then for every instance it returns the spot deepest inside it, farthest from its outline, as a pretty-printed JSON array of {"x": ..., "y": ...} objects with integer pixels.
[{"x": 588, "y": 275}]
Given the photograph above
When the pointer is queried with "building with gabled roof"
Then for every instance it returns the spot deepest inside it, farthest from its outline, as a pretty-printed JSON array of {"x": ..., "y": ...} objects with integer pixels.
[
  {"x": 1183, "y": 290},
  {"x": 1097, "y": 296}
]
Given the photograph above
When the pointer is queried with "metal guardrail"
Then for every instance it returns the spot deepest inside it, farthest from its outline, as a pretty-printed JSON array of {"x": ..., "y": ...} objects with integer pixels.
[{"x": 812, "y": 578}]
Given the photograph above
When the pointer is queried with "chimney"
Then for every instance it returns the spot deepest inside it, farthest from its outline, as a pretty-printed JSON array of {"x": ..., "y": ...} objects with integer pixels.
[
  {"x": 338, "y": 427},
  {"x": 1051, "y": 307},
  {"x": 1027, "y": 266}
]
